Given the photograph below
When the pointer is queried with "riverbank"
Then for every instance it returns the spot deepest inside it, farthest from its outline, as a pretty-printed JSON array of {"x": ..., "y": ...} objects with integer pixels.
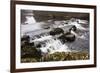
[{"x": 58, "y": 56}]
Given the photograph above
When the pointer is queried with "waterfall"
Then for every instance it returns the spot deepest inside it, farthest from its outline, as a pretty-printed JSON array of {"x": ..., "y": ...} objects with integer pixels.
[
  {"x": 54, "y": 45},
  {"x": 50, "y": 44},
  {"x": 30, "y": 20}
]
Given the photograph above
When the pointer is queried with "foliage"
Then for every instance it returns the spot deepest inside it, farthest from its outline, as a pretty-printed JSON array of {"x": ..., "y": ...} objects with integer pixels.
[
  {"x": 57, "y": 56},
  {"x": 64, "y": 56},
  {"x": 30, "y": 52}
]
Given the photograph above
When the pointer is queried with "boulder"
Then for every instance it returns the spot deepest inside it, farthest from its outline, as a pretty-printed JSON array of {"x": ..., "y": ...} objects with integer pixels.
[
  {"x": 25, "y": 40},
  {"x": 56, "y": 31},
  {"x": 74, "y": 28},
  {"x": 67, "y": 38}
]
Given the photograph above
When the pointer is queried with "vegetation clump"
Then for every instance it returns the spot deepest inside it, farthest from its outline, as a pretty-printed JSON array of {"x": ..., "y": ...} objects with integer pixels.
[{"x": 31, "y": 54}]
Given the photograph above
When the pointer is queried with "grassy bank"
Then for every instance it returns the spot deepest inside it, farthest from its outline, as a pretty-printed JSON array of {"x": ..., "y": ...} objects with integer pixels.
[{"x": 57, "y": 56}]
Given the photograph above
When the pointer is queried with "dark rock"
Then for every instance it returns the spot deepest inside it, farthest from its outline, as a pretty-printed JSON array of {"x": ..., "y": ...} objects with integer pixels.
[
  {"x": 74, "y": 28},
  {"x": 25, "y": 37},
  {"x": 56, "y": 31},
  {"x": 38, "y": 45},
  {"x": 28, "y": 52},
  {"x": 70, "y": 38},
  {"x": 25, "y": 40},
  {"x": 38, "y": 36},
  {"x": 52, "y": 33},
  {"x": 67, "y": 38},
  {"x": 31, "y": 44}
]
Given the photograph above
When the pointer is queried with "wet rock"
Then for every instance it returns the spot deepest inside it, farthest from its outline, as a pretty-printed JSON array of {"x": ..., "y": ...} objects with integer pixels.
[
  {"x": 31, "y": 44},
  {"x": 30, "y": 52},
  {"x": 25, "y": 40},
  {"x": 25, "y": 37},
  {"x": 52, "y": 33},
  {"x": 74, "y": 28},
  {"x": 56, "y": 31},
  {"x": 38, "y": 45},
  {"x": 67, "y": 38},
  {"x": 70, "y": 37}
]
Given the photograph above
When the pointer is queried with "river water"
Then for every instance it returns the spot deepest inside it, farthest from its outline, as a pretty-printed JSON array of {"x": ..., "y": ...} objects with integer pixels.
[{"x": 49, "y": 44}]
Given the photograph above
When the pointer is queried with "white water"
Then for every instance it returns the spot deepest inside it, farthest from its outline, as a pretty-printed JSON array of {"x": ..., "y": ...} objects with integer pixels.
[
  {"x": 78, "y": 25},
  {"x": 83, "y": 21},
  {"x": 84, "y": 36},
  {"x": 75, "y": 33},
  {"x": 43, "y": 38},
  {"x": 52, "y": 44},
  {"x": 30, "y": 20}
]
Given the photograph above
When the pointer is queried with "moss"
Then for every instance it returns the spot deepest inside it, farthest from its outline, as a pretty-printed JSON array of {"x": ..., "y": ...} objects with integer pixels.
[{"x": 31, "y": 54}]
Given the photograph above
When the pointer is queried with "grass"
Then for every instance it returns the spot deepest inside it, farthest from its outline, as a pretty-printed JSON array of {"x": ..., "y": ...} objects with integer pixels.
[{"x": 58, "y": 56}]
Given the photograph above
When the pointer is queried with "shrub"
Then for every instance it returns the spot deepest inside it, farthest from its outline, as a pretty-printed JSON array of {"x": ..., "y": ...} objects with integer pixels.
[
  {"x": 65, "y": 56},
  {"x": 30, "y": 52}
]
